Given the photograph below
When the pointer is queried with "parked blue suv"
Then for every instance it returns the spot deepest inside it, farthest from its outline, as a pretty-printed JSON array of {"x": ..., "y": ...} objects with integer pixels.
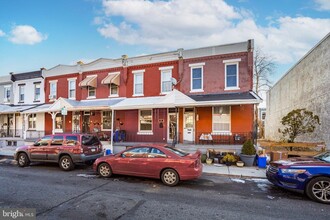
[{"x": 306, "y": 175}]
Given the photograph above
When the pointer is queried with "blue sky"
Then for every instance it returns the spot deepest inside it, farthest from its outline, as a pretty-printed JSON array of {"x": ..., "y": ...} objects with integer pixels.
[{"x": 39, "y": 33}]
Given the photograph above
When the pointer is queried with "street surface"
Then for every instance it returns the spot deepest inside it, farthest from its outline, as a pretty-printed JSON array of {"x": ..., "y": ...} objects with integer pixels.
[{"x": 80, "y": 194}]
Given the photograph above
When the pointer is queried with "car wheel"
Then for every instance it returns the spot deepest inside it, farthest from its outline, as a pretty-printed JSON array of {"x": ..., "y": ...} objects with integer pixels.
[
  {"x": 104, "y": 170},
  {"x": 318, "y": 189},
  {"x": 66, "y": 163},
  {"x": 170, "y": 177},
  {"x": 23, "y": 160}
]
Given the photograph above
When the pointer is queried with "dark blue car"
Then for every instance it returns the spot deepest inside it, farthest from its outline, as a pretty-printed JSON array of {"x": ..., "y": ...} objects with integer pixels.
[{"x": 306, "y": 175}]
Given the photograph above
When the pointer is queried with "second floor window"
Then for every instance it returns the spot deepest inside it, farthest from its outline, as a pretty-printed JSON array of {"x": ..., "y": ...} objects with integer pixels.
[
  {"x": 37, "y": 92},
  {"x": 53, "y": 90},
  {"x": 138, "y": 83},
  {"x": 72, "y": 89},
  {"x": 7, "y": 94},
  {"x": 21, "y": 93},
  {"x": 231, "y": 76},
  {"x": 91, "y": 92},
  {"x": 166, "y": 83},
  {"x": 113, "y": 89},
  {"x": 32, "y": 121},
  {"x": 196, "y": 83}
]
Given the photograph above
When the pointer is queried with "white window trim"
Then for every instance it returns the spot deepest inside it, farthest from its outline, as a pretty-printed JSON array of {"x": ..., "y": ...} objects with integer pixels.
[
  {"x": 147, "y": 132},
  {"x": 104, "y": 129},
  {"x": 115, "y": 95},
  {"x": 34, "y": 95},
  {"x": 75, "y": 82},
  {"x": 53, "y": 82},
  {"x": 162, "y": 69},
  {"x": 32, "y": 129},
  {"x": 91, "y": 97},
  {"x": 195, "y": 66},
  {"x": 19, "y": 93},
  {"x": 142, "y": 73},
  {"x": 221, "y": 132},
  {"x": 237, "y": 75}
]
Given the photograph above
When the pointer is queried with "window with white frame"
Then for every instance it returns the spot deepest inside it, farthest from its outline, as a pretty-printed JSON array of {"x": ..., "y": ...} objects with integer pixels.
[
  {"x": 138, "y": 83},
  {"x": 145, "y": 120},
  {"x": 106, "y": 120},
  {"x": 196, "y": 77},
  {"x": 59, "y": 122},
  {"x": 221, "y": 119},
  {"x": 91, "y": 92},
  {"x": 72, "y": 88},
  {"x": 32, "y": 119},
  {"x": 21, "y": 92},
  {"x": 113, "y": 89},
  {"x": 166, "y": 79},
  {"x": 37, "y": 87},
  {"x": 232, "y": 73},
  {"x": 7, "y": 93},
  {"x": 53, "y": 90}
]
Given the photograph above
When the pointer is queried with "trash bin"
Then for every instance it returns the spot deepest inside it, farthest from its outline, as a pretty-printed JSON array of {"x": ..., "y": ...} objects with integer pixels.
[
  {"x": 107, "y": 151},
  {"x": 262, "y": 161}
]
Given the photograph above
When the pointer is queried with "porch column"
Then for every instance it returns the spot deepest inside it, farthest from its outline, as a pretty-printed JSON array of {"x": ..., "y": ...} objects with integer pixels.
[
  {"x": 25, "y": 125},
  {"x": 112, "y": 126},
  {"x": 53, "y": 114},
  {"x": 14, "y": 124}
]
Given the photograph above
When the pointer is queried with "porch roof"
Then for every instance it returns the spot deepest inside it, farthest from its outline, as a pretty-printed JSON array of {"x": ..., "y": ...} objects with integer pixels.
[
  {"x": 10, "y": 109},
  {"x": 38, "y": 109}
]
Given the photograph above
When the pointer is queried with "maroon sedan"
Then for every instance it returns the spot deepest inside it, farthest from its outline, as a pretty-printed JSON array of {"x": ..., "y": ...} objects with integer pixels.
[{"x": 161, "y": 162}]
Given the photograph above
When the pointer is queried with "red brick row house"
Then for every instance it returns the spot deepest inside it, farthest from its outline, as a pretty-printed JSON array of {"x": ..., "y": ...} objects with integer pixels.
[{"x": 187, "y": 96}]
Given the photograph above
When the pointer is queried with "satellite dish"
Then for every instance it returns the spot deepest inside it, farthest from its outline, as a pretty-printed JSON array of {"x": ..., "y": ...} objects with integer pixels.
[{"x": 174, "y": 81}]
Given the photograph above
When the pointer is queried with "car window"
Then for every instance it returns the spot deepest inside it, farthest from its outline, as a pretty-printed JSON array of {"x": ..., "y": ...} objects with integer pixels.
[
  {"x": 57, "y": 140},
  {"x": 89, "y": 140},
  {"x": 43, "y": 141},
  {"x": 324, "y": 156},
  {"x": 156, "y": 153},
  {"x": 177, "y": 151},
  {"x": 140, "y": 152},
  {"x": 71, "y": 140}
]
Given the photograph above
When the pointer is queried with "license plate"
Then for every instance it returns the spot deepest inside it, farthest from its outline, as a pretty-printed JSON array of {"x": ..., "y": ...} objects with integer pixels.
[{"x": 92, "y": 150}]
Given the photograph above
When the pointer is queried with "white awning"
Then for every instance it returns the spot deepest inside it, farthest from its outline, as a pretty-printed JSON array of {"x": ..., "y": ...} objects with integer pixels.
[
  {"x": 89, "y": 81},
  {"x": 112, "y": 78}
]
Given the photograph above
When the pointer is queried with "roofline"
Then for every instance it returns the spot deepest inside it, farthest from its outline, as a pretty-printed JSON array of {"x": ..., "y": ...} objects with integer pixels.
[{"x": 301, "y": 59}]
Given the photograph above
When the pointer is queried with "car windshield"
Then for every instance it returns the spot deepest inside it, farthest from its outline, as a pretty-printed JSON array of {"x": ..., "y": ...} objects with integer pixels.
[
  {"x": 177, "y": 151},
  {"x": 323, "y": 156}
]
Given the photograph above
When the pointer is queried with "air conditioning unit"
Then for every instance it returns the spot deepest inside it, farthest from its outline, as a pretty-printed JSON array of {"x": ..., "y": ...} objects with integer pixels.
[
  {"x": 87, "y": 113},
  {"x": 52, "y": 96}
]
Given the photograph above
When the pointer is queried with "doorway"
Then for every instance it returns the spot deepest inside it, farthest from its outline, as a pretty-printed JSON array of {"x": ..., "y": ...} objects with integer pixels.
[
  {"x": 188, "y": 125},
  {"x": 172, "y": 127}
]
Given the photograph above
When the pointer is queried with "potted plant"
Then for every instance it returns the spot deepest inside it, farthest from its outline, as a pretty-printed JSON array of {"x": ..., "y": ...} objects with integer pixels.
[
  {"x": 248, "y": 153},
  {"x": 229, "y": 159}
]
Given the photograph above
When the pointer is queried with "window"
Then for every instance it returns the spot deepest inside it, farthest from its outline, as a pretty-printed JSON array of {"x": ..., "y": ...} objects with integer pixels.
[
  {"x": 21, "y": 93},
  {"x": 196, "y": 77},
  {"x": 231, "y": 74},
  {"x": 141, "y": 152},
  {"x": 156, "y": 153},
  {"x": 106, "y": 120},
  {"x": 89, "y": 140},
  {"x": 71, "y": 140},
  {"x": 57, "y": 140},
  {"x": 43, "y": 141},
  {"x": 221, "y": 119},
  {"x": 166, "y": 79},
  {"x": 145, "y": 120},
  {"x": 32, "y": 121},
  {"x": 75, "y": 122},
  {"x": 72, "y": 88},
  {"x": 177, "y": 151},
  {"x": 7, "y": 94},
  {"x": 91, "y": 92},
  {"x": 58, "y": 122},
  {"x": 113, "y": 89},
  {"x": 138, "y": 83},
  {"x": 37, "y": 92},
  {"x": 53, "y": 90}
]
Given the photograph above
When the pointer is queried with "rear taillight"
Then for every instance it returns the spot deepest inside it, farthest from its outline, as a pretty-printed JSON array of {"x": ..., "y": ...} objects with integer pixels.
[
  {"x": 81, "y": 150},
  {"x": 194, "y": 164}
]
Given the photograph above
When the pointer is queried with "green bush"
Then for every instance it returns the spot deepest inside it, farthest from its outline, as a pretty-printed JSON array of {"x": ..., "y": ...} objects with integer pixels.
[
  {"x": 203, "y": 158},
  {"x": 248, "y": 148}
]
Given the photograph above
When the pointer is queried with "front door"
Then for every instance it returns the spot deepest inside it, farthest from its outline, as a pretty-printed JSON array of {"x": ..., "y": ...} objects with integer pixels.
[
  {"x": 86, "y": 123},
  {"x": 10, "y": 127},
  {"x": 188, "y": 125},
  {"x": 172, "y": 127}
]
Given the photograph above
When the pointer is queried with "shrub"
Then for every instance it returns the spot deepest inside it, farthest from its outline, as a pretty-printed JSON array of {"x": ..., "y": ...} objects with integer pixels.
[
  {"x": 203, "y": 158},
  {"x": 229, "y": 158},
  {"x": 248, "y": 148}
]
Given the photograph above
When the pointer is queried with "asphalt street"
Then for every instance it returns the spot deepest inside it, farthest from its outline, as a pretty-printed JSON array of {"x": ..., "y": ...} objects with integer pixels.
[{"x": 81, "y": 194}]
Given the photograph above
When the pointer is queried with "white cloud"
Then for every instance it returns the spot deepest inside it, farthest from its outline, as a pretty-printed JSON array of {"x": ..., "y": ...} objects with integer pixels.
[
  {"x": 178, "y": 23},
  {"x": 2, "y": 33},
  {"x": 323, "y": 5},
  {"x": 26, "y": 34}
]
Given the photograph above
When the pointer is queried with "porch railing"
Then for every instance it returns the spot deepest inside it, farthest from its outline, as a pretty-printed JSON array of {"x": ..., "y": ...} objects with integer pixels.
[
  {"x": 11, "y": 133},
  {"x": 34, "y": 134},
  {"x": 223, "y": 138},
  {"x": 124, "y": 136}
]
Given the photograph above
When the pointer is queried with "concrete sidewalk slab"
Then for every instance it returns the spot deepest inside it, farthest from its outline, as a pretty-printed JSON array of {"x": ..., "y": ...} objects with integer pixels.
[
  {"x": 8, "y": 151},
  {"x": 222, "y": 169}
]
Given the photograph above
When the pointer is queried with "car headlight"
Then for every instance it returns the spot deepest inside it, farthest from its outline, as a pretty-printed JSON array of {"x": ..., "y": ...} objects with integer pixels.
[{"x": 293, "y": 171}]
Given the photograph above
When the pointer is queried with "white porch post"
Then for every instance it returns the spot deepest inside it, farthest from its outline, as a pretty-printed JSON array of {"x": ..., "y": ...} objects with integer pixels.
[
  {"x": 25, "y": 125},
  {"x": 112, "y": 126},
  {"x": 53, "y": 114},
  {"x": 14, "y": 124}
]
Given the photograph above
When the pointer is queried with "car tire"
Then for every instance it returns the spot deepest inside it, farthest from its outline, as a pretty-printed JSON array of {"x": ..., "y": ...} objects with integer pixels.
[
  {"x": 23, "y": 160},
  {"x": 104, "y": 170},
  {"x": 170, "y": 177},
  {"x": 318, "y": 189},
  {"x": 66, "y": 163}
]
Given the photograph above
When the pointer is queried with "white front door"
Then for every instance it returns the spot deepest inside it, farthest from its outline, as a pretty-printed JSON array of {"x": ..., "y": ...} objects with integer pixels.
[{"x": 188, "y": 125}]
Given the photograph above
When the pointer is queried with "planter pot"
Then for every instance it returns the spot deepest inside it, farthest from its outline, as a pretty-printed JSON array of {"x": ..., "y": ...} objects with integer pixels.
[
  {"x": 240, "y": 163},
  {"x": 209, "y": 161},
  {"x": 247, "y": 159}
]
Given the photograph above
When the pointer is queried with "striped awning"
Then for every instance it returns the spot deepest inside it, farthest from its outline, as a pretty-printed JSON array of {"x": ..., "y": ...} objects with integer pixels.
[
  {"x": 89, "y": 81},
  {"x": 112, "y": 78}
]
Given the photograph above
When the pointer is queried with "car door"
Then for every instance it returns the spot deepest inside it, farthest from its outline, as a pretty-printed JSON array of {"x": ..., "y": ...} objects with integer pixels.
[
  {"x": 156, "y": 161},
  {"x": 38, "y": 150},
  {"x": 53, "y": 149}
]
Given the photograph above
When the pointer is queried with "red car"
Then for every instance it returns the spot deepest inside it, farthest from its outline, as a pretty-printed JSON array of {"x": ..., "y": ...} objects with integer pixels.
[{"x": 161, "y": 162}]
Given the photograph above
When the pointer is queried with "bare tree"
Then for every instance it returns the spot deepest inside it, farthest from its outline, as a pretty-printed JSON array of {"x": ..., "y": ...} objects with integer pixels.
[{"x": 263, "y": 67}]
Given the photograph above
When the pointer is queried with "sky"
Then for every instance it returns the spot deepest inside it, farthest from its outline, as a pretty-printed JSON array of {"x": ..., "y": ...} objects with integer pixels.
[{"x": 39, "y": 33}]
